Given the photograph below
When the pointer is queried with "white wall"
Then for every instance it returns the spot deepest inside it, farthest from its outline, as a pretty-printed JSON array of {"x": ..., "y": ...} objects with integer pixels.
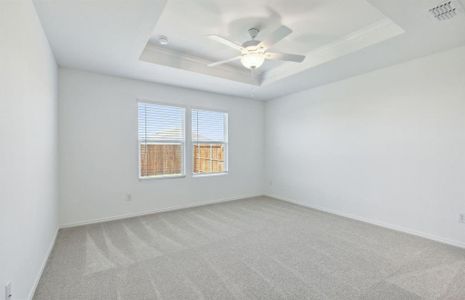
[
  {"x": 28, "y": 148},
  {"x": 386, "y": 147},
  {"x": 98, "y": 149}
]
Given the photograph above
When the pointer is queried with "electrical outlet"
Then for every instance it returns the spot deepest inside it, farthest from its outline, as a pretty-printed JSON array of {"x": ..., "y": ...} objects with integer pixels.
[
  {"x": 8, "y": 293},
  {"x": 462, "y": 218}
]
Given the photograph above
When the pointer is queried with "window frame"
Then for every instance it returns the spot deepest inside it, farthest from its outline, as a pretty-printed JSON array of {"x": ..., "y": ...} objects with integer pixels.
[
  {"x": 225, "y": 143},
  {"x": 183, "y": 142}
]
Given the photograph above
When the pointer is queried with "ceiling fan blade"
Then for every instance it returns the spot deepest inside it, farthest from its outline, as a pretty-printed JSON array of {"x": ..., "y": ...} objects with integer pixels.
[
  {"x": 284, "y": 56},
  {"x": 224, "y": 61},
  {"x": 275, "y": 37},
  {"x": 225, "y": 41}
]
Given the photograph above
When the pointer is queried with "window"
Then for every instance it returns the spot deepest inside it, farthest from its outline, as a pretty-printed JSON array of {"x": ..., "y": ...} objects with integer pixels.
[
  {"x": 209, "y": 141},
  {"x": 161, "y": 140}
]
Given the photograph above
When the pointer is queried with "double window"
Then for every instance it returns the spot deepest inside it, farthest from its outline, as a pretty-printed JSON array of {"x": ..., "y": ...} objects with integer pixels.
[{"x": 162, "y": 141}]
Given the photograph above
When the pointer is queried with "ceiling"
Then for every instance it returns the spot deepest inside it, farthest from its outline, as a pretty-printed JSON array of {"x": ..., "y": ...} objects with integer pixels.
[
  {"x": 316, "y": 25},
  {"x": 341, "y": 38}
]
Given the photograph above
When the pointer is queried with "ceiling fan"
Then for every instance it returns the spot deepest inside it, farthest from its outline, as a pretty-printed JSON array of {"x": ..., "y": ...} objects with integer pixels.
[{"x": 254, "y": 52}]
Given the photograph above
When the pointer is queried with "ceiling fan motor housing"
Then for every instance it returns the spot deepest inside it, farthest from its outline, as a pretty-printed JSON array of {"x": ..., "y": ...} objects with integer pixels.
[{"x": 251, "y": 44}]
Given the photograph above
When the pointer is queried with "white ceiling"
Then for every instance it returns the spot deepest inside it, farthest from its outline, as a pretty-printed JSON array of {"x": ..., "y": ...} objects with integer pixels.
[{"x": 341, "y": 38}]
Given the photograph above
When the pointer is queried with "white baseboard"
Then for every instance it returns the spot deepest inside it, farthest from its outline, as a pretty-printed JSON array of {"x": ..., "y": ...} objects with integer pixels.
[
  {"x": 42, "y": 267},
  {"x": 403, "y": 229},
  {"x": 149, "y": 212}
]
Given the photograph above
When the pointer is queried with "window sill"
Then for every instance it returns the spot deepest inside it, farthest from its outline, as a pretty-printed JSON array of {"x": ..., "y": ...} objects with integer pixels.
[
  {"x": 161, "y": 177},
  {"x": 209, "y": 175}
]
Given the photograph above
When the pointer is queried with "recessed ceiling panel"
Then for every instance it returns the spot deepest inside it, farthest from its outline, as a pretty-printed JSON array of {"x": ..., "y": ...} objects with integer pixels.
[{"x": 316, "y": 24}]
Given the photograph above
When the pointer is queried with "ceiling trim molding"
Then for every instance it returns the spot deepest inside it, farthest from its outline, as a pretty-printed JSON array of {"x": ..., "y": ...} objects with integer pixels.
[{"x": 372, "y": 34}]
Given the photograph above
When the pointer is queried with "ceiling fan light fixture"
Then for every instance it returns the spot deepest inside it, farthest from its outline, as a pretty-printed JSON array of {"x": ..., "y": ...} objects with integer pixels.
[
  {"x": 255, "y": 52},
  {"x": 252, "y": 59}
]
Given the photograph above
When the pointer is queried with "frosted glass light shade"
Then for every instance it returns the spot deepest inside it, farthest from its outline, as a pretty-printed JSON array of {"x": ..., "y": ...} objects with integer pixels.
[{"x": 252, "y": 60}]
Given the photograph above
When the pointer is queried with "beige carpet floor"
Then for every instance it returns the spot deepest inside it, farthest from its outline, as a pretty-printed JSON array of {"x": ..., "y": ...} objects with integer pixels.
[{"x": 257, "y": 248}]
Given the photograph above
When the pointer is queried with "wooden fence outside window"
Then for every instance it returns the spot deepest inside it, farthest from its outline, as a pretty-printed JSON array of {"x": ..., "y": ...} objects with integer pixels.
[{"x": 166, "y": 159}]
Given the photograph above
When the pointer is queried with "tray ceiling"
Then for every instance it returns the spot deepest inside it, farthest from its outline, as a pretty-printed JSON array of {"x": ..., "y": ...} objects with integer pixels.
[{"x": 322, "y": 30}]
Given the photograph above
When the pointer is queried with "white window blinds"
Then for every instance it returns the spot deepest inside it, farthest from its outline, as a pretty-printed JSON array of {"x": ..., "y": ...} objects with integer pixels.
[
  {"x": 209, "y": 141},
  {"x": 161, "y": 140}
]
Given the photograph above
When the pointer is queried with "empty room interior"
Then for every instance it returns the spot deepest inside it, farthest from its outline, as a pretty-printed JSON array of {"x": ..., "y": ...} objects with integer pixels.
[{"x": 217, "y": 149}]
